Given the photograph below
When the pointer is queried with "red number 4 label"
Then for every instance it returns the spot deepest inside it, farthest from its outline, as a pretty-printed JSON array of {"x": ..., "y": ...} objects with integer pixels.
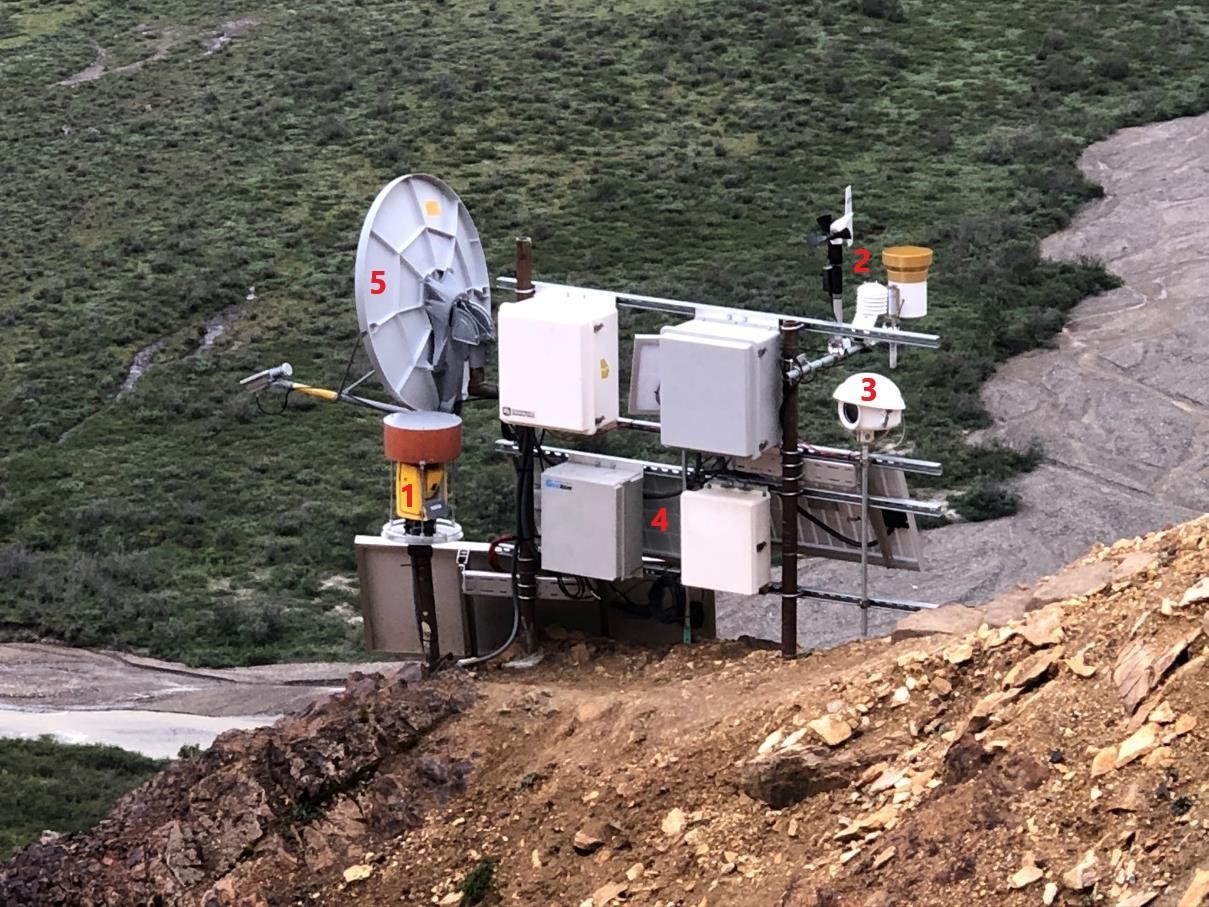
[{"x": 660, "y": 521}]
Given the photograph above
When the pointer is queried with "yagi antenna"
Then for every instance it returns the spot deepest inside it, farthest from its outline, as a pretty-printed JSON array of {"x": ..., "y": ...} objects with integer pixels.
[{"x": 422, "y": 293}]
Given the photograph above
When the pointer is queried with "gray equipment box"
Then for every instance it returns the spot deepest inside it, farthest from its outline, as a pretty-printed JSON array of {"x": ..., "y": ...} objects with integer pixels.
[
  {"x": 719, "y": 387},
  {"x": 591, "y": 520}
]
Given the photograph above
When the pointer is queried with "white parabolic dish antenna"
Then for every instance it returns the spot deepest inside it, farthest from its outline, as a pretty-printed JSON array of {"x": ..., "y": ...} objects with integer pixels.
[{"x": 422, "y": 291}]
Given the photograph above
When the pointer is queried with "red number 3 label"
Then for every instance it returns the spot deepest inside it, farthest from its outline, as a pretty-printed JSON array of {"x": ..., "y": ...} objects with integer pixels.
[{"x": 870, "y": 387}]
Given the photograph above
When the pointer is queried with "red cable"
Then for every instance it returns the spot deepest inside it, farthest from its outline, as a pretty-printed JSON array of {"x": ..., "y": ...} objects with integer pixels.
[{"x": 491, "y": 558}]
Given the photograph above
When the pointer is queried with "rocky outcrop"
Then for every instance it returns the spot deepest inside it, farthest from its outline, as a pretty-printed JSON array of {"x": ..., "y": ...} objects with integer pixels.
[{"x": 213, "y": 829}]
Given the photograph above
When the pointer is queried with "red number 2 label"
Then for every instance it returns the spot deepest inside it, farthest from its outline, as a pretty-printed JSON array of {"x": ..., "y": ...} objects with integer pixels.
[
  {"x": 660, "y": 521},
  {"x": 862, "y": 261},
  {"x": 377, "y": 284},
  {"x": 870, "y": 387}
]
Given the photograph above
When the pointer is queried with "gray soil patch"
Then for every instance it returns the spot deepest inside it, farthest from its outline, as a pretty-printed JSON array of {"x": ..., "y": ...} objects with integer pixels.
[
  {"x": 1121, "y": 403},
  {"x": 168, "y": 39},
  {"x": 142, "y": 361},
  {"x": 41, "y": 677}
]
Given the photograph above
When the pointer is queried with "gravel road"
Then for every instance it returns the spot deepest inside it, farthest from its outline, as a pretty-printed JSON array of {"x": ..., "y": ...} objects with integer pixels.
[{"x": 148, "y": 705}]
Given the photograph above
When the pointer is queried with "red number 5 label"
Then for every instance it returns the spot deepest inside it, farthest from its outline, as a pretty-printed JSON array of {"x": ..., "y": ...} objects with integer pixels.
[
  {"x": 870, "y": 387},
  {"x": 377, "y": 284}
]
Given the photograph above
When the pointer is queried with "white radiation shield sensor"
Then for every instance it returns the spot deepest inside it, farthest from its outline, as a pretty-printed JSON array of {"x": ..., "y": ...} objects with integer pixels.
[{"x": 422, "y": 292}]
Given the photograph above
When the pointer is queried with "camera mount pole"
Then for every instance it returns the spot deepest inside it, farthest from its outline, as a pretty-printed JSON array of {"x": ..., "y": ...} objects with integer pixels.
[
  {"x": 791, "y": 472},
  {"x": 864, "y": 536}
]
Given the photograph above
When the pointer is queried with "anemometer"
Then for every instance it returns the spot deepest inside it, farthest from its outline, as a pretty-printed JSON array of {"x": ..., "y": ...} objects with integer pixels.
[{"x": 723, "y": 383}]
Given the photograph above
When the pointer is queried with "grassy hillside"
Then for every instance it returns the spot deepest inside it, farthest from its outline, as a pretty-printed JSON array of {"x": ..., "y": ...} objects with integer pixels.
[
  {"x": 669, "y": 148},
  {"x": 52, "y": 786}
]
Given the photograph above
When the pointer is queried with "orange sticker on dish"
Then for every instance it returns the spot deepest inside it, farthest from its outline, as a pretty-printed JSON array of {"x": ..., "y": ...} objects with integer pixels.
[{"x": 432, "y": 208}]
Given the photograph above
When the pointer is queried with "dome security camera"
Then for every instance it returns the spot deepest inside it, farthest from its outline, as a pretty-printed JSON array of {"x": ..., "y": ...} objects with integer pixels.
[{"x": 869, "y": 404}]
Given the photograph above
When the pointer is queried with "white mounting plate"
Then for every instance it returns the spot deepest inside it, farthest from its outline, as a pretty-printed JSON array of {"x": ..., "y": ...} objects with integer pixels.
[{"x": 416, "y": 227}]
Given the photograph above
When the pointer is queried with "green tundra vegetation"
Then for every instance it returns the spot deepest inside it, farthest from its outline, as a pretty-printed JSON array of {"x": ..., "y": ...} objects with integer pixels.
[
  {"x": 50, "y": 786},
  {"x": 668, "y": 148}
]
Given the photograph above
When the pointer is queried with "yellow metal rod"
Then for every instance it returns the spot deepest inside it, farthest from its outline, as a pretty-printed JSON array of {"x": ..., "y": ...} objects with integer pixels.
[{"x": 321, "y": 393}]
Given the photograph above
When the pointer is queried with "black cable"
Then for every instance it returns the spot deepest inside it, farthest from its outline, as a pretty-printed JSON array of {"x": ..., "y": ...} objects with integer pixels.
[
  {"x": 620, "y": 600},
  {"x": 838, "y": 536},
  {"x": 348, "y": 368},
  {"x": 655, "y": 595},
  {"x": 268, "y": 412},
  {"x": 541, "y": 455},
  {"x": 580, "y": 592},
  {"x": 526, "y": 523}
]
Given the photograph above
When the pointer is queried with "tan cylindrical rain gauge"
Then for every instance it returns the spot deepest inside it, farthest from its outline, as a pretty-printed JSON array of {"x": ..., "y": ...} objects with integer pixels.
[{"x": 907, "y": 271}]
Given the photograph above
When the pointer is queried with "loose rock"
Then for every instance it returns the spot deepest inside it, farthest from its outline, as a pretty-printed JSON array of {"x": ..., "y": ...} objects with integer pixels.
[
  {"x": 833, "y": 730},
  {"x": 1028, "y": 873},
  {"x": 1044, "y": 628},
  {"x": 606, "y": 894},
  {"x": 358, "y": 873},
  {"x": 1196, "y": 892},
  {"x": 1198, "y": 592},
  {"x": 1032, "y": 671},
  {"x": 673, "y": 822},
  {"x": 1080, "y": 667},
  {"x": 1104, "y": 761},
  {"x": 1138, "y": 744},
  {"x": 958, "y": 654},
  {"x": 1083, "y": 874}
]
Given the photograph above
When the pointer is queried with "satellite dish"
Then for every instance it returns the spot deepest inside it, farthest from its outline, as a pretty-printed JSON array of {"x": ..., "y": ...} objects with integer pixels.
[{"x": 422, "y": 291}]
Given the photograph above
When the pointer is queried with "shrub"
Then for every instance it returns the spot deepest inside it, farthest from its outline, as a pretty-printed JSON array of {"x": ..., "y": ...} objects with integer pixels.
[
  {"x": 1113, "y": 68},
  {"x": 48, "y": 785},
  {"x": 987, "y": 500},
  {"x": 890, "y": 10},
  {"x": 331, "y": 129},
  {"x": 477, "y": 884}
]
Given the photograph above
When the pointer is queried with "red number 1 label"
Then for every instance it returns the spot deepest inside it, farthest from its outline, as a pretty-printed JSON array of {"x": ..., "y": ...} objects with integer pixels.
[
  {"x": 377, "y": 284},
  {"x": 660, "y": 521},
  {"x": 862, "y": 261},
  {"x": 406, "y": 489},
  {"x": 870, "y": 387}
]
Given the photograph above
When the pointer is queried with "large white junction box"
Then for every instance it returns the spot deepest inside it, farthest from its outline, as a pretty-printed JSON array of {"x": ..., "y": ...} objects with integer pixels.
[
  {"x": 719, "y": 387},
  {"x": 591, "y": 520},
  {"x": 726, "y": 539},
  {"x": 558, "y": 360}
]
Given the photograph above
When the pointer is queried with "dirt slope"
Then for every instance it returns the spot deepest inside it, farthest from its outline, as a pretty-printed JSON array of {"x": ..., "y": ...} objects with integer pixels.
[{"x": 934, "y": 771}]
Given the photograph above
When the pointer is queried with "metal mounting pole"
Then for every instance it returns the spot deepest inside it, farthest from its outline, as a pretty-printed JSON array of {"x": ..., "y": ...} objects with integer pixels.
[
  {"x": 686, "y": 635},
  {"x": 524, "y": 268},
  {"x": 426, "y": 604},
  {"x": 791, "y": 472},
  {"x": 527, "y": 554},
  {"x": 864, "y": 539}
]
